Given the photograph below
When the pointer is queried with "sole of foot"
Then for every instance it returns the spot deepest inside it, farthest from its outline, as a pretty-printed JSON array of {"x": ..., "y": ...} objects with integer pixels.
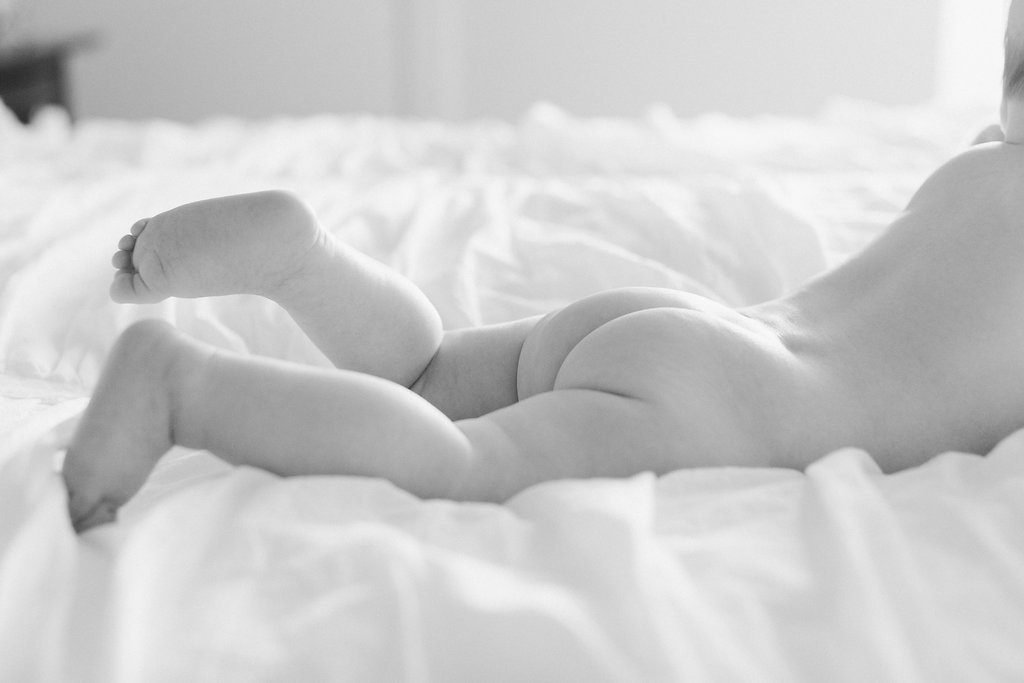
[{"x": 240, "y": 244}]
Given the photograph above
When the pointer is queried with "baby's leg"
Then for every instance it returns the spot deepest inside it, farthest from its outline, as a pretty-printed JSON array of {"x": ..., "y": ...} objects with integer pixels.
[
  {"x": 160, "y": 388},
  {"x": 362, "y": 315}
]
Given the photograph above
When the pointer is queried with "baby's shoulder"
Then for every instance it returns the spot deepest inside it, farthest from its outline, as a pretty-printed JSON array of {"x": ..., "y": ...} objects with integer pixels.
[{"x": 987, "y": 179}]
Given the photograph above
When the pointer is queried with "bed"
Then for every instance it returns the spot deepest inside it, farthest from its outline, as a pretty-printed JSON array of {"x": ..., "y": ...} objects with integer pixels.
[{"x": 222, "y": 574}]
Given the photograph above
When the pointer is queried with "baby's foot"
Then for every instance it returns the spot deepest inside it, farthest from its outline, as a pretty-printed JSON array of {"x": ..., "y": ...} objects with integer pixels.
[
  {"x": 242, "y": 244},
  {"x": 127, "y": 425}
]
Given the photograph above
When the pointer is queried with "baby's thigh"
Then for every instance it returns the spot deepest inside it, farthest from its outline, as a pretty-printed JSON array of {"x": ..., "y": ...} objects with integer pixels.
[
  {"x": 614, "y": 412},
  {"x": 475, "y": 369},
  {"x": 566, "y": 433}
]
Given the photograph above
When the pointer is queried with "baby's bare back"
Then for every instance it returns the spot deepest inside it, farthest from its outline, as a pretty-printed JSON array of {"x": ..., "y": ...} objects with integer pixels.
[{"x": 924, "y": 330}]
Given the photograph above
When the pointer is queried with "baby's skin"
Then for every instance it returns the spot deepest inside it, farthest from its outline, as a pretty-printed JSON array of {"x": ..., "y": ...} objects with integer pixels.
[{"x": 910, "y": 348}]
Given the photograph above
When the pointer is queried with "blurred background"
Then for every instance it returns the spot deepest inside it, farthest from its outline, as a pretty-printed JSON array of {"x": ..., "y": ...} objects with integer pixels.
[{"x": 459, "y": 59}]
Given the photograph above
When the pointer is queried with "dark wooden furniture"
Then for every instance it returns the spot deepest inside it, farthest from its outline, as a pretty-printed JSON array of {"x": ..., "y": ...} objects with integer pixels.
[{"x": 33, "y": 73}]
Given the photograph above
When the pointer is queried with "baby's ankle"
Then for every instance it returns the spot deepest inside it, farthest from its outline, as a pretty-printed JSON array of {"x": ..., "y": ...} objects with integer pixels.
[{"x": 306, "y": 277}]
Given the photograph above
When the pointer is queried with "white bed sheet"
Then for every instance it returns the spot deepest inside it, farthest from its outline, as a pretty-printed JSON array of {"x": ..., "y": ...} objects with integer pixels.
[{"x": 221, "y": 574}]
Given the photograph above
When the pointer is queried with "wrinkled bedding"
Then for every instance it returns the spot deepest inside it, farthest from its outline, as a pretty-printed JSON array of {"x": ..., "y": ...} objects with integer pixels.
[{"x": 222, "y": 574}]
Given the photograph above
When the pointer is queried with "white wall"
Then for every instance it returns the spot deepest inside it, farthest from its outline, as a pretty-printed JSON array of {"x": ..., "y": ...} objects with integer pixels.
[
  {"x": 970, "y": 58},
  {"x": 779, "y": 55},
  {"x": 189, "y": 59}
]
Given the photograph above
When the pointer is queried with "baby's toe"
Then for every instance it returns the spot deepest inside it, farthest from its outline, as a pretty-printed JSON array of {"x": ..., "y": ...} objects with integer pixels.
[
  {"x": 122, "y": 260},
  {"x": 128, "y": 287},
  {"x": 139, "y": 226},
  {"x": 127, "y": 243},
  {"x": 121, "y": 288}
]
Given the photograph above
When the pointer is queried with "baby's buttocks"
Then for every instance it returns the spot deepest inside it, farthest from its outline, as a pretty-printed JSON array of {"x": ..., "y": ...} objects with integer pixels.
[
  {"x": 558, "y": 333},
  {"x": 729, "y": 383},
  {"x": 696, "y": 324}
]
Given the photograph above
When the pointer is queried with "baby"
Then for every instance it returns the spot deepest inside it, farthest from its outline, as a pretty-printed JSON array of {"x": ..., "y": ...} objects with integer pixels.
[{"x": 912, "y": 347}]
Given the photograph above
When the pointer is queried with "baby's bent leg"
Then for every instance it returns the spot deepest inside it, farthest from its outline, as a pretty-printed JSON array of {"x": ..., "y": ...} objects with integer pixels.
[
  {"x": 293, "y": 419},
  {"x": 362, "y": 315},
  {"x": 160, "y": 388}
]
